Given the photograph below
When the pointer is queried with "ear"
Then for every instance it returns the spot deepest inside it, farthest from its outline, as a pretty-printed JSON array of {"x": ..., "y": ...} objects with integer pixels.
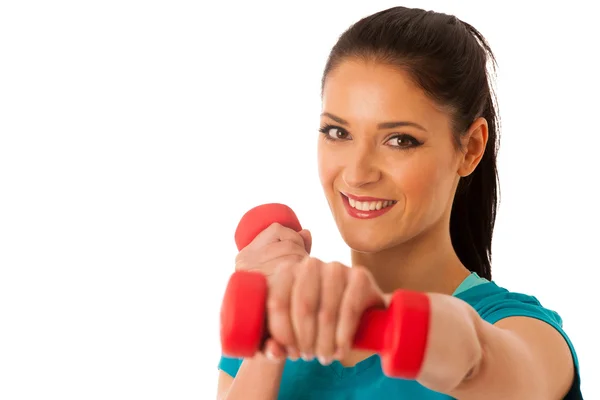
[{"x": 474, "y": 143}]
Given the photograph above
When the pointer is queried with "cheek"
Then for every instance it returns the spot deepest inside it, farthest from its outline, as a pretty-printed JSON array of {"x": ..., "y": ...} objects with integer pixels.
[
  {"x": 328, "y": 166},
  {"x": 424, "y": 181}
]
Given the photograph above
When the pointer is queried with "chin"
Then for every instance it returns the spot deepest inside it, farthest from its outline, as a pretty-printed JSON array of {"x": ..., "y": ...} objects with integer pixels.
[
  {"x": 362, "y": 238},
  {"x": 365, "y": 243}
]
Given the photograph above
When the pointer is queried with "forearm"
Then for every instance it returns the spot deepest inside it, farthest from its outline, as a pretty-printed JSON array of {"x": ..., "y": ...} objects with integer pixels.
[
  {"x": 257, "y": 379},
  {"x": 454, "y": 347},
  {"x": 469, "y": 358}
]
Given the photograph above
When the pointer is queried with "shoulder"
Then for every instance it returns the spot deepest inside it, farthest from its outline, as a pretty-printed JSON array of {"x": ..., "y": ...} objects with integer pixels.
[{"x": 494, "y": 303}]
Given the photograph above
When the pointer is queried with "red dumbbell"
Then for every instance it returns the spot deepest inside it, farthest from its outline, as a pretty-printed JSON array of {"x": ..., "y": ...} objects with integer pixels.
[
  {"x": 398, "y": 334},
  {"x": 260, "y": 218}
]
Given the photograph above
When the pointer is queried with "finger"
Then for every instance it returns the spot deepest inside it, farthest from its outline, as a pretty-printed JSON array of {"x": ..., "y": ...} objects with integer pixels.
[
  {"x": 293, "y": 353},
  {"x": 281, "y": 249},
  {"x": 307, "y": 239},
  {"x": 333, "y": 285},
  {"x": 266, "y": 246},
  {"x": 274, "y": 351},
  {"x": 305, "y": 305},
  {"x": 271, "y": 265},
  {"x": 269, "y": 268},
  {"x": 361, "y": 293},
  {"x": 275, "y": 233},
  {"x": 273, "y": 252},
  {"x": 278, "y": 306}
]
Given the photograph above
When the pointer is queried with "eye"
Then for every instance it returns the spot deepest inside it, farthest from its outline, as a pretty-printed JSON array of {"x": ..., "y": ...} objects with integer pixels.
[
  {"x": 334, "y": 132},
  {"x": 403, "y": 141}
]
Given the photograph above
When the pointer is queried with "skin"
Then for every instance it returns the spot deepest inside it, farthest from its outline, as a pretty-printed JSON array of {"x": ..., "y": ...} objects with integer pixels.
[{"x": 314, "y": 307}]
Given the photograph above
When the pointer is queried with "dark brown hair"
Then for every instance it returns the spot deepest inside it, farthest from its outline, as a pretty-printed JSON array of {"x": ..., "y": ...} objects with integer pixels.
[{"x": 448, "y": 59}]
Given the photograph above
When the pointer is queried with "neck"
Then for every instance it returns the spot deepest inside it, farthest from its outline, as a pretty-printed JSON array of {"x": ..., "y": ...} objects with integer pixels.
[{"x": 427, "y": 263}]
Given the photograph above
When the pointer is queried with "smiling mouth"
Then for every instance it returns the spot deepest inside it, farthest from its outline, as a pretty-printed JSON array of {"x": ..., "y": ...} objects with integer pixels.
[{"x": 366, "y": 207}]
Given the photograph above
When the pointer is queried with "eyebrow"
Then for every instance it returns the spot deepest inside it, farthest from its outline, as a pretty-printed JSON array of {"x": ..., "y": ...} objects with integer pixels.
[{"x": 383, "y": 125}]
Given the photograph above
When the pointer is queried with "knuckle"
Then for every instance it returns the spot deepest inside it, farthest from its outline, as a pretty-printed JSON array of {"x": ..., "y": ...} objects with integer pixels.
[
  {"x": 277, "y": 304},
  {"x": 275, "y": 226},
  {"x": 360, "y": 277},
  {"x": 290, "y": 263},
  {"x": 356, "y": 310},
  {"x": 272, "y": 230},
  {"x": 327, "y": 316},
  {"x": 335, "y": 271},
  {"x": 352, "y": 312},
  {"x": 305, "y": 307},
  {"x": 308, "y": 267},
  {"x": 285, "y": 266},
  {"x": 312, "y": 264},
  {"x": 293, "y": 260}
]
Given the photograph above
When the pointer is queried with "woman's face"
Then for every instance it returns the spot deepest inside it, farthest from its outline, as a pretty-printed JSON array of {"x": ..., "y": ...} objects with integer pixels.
[{"x": 387, "y": 161}]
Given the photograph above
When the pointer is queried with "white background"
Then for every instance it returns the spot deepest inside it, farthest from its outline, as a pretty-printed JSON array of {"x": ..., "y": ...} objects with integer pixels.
[{"x": 134, "y": 135}]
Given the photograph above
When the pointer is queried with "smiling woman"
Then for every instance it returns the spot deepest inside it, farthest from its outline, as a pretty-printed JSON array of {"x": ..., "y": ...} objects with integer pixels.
[{"x": 407, "y": 162}]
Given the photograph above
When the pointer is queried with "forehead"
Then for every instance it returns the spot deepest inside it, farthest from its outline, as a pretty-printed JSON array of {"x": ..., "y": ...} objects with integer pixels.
[{"x": 364, "y": 91}]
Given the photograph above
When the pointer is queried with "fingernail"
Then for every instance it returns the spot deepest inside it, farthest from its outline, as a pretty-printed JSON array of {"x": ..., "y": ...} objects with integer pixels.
[
  {"x": 325, "y": 360},
  {"x": 307, "y": 357},
  {"x": 270, "y": 356},
  {"x": 339, "y": 354},
  {"x": 292, "y": 353}
]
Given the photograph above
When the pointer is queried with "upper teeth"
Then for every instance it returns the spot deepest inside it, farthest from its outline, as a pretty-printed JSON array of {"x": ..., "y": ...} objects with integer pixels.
[{"x": 370, "y": 205}]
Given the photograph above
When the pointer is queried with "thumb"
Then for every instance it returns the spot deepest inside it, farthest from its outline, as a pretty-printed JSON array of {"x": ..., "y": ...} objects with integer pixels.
[{"x": 307, "y": 238}]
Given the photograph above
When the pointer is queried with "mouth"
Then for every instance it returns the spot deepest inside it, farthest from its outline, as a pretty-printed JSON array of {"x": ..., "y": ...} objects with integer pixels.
[{"x": 366, "y": 207}]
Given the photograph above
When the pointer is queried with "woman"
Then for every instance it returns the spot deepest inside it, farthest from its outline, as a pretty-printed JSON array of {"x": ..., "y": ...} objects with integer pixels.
[{"x": 407, "y": 161}]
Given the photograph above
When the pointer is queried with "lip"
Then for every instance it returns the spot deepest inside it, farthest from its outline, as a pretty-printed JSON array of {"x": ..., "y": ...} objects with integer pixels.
[
  {"x": 363, "y": 198},
  {"x": 360, "y": 214}
]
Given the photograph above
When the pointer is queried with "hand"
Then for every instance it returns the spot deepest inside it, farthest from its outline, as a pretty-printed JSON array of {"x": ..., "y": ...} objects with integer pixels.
[
  {"x": 314, "y": 308},
  {"x": 273, "y": 248}
]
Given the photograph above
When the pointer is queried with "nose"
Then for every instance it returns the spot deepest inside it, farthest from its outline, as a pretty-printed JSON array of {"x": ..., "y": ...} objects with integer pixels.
[{"x": 361, "y": 169}]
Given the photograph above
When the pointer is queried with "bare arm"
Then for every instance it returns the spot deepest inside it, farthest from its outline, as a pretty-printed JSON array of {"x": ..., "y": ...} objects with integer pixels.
[
  {"x": 517, "y": 358},
  {"x": 257, "y": 379}
]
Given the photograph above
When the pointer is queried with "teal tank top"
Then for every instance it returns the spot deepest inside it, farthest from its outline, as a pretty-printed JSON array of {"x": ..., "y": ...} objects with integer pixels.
[{"x": 365, "y": 381}]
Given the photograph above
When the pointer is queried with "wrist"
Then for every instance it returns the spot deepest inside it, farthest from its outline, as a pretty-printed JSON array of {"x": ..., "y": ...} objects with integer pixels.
[
  {"x": 260, "y": 362},
  {"x": 257, "y": 378},
  {"x": 454, "y": 348}
]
